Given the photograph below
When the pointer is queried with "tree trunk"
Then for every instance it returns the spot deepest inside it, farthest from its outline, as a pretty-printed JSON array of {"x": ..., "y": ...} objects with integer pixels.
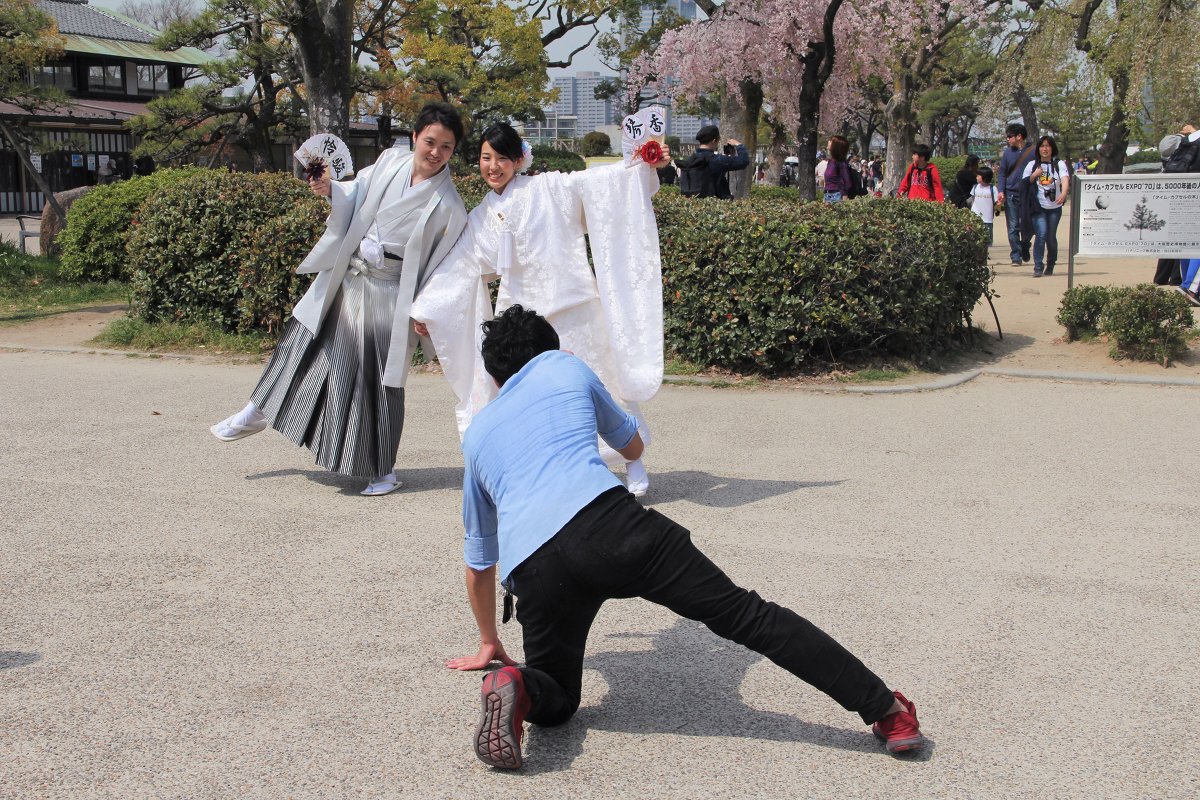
[
  {"x": 1116, "y": 136},
  {"x": 19, "y": 145},
  {"x": 807, "y": 136},
  {"x": 739, "y": 120},
  {"x": 777, "y": 153},
  {"x": 902, "y": 131},
  {"x": 1028, "y": 112},
  {"x": 323, "y": 30}
]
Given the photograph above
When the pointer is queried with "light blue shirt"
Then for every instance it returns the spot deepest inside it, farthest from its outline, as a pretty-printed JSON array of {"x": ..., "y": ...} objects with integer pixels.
[{"x": 532, "y": 461}]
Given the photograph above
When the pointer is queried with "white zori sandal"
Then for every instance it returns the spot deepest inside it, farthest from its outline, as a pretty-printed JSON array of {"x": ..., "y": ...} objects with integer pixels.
[
  {"x": 246, "y": 422},
  {"x": 382, "y": 485}
]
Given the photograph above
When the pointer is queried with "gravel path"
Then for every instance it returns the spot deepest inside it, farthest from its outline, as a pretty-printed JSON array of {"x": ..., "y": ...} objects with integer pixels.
[{"x": 185, "y": 618}]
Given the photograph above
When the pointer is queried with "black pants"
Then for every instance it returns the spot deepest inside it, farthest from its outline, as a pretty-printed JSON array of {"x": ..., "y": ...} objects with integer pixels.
[{"x": 615, "y": 548}]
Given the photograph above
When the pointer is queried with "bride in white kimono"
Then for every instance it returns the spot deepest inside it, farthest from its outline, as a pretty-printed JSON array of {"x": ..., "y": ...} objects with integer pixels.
[
  {"x": 335, "y": 383},
  {"x": 529, "y": 232}
]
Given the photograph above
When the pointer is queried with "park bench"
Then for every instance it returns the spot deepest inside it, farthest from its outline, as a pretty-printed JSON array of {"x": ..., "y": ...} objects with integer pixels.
[{"x": 29, "y": 233}]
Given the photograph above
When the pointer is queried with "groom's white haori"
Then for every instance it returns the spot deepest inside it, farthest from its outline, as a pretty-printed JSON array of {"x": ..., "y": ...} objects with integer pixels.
[
  {"x": 532, "y": 237},
  {"x": 431, "y": 210}
]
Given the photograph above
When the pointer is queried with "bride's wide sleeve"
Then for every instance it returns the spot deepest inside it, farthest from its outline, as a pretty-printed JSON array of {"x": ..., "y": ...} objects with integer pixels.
[
  {"x": 623, "y": 234},
  {"x": 453, "y": 303}
]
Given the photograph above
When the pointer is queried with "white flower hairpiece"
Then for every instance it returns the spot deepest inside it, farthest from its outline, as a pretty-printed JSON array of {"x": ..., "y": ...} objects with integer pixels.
[{"x": 526, "y": 157}]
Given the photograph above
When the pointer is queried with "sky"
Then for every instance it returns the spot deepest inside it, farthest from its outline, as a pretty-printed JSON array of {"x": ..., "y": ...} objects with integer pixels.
[{"x": 588, "y": 60}]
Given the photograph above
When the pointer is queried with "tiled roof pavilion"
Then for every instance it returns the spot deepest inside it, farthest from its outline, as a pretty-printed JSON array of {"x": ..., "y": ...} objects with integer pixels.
[{"x": 77, "y": 18}]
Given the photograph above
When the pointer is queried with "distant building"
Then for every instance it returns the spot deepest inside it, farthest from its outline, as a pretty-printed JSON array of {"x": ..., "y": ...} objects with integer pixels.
[
  {"x": 557, "y": 126},
  {"x": 110, "y": 69},
  {"x": 577, "y": 100}
]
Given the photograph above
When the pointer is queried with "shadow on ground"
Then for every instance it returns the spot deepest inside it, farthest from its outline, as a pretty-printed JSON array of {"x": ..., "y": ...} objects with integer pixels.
[
  {"x": 712, "y": 490},
  {"x": 687, "y": 683},
  {"x": 31, "y": 314},
  {"x": 412, "y": 480},
  {"x": 11, "y": 660}
]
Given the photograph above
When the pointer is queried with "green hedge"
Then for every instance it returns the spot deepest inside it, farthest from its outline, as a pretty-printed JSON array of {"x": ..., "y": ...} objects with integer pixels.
[
  {"x": 222, "y": 249},
  {"x": 472, "y": 189},
  {"x": 948, "y": 167},
  {"x": 1142, "y": 322},
  {"x": 551, "y": 159},
  {"x": 99, "y": 223},
  {"x": 775, "y": 286},
  {"x": 1146, "y": 323},
  {"x": 1081, "y": 309}
]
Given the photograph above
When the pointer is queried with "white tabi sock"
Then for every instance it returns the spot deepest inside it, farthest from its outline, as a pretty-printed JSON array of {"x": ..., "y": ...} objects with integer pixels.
[{"x": 250, "y": 415}]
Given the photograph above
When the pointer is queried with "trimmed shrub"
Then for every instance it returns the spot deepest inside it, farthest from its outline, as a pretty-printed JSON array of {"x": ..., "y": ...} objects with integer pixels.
[
  {"x": 1080, "y": 310},
  {"x": 1147, "y": 156},
  {"x": 551, "y": 159},
  {"x": 948, "y": 167},
  {"x": 776, "y": 286},
  {"x": 222, "y": 248},
  {"x": 98, "y": 225},
  {"x": 1146, "y": 323},
  {"x": 596, "y": 143},
  {"x": 786, "y": 193},
  {"x": 472, "y": 189}
]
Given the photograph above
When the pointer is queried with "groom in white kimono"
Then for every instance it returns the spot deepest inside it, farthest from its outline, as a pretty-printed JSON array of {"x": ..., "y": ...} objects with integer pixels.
[{"x": 335, "y": 383}]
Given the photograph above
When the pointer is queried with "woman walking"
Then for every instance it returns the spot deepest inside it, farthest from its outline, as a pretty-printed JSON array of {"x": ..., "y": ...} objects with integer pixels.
[
  {"x": 837, "y": 171},
  {"x": 1049, "y": 178}
]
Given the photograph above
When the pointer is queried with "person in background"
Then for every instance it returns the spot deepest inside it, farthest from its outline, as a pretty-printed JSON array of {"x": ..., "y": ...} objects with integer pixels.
[
  {"x": 964, "y": 183},
  {"x": 1048, "y": 177},
  {"x": 921, "y": 181},
  {"x": 1015, "y": 194},
  {"x": 837, "y": 171},
  {"x": 713, "y": 165},
  {"x": 983, "y": 199}
]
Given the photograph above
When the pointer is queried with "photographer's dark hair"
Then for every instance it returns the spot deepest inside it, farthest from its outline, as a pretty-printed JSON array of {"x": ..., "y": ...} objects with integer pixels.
[
  {"x": 504, "y": 140},
  {"x": 513, "y": 339},
  {"x": 1016, "y": 129},
  {"x": 439, "y": 114},
  {"x": 1053, "y": 146}
]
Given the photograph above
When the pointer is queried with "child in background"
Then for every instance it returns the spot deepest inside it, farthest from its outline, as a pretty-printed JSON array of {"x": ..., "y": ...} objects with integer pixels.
[
  {"x": 922, "y": 181},
  {"x": 983, "y": 199}
]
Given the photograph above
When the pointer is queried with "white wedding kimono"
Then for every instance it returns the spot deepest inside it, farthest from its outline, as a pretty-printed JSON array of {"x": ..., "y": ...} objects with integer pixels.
[{"x": 532, "y": 237}]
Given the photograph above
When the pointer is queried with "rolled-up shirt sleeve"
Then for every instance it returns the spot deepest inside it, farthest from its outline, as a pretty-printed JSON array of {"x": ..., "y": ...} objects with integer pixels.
[
  {"x": 481, "y": 547},
  {"x": 615, "y": 425}
]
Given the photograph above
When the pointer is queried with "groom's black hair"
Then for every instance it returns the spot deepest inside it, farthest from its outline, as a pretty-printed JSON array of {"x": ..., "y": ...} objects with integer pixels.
[
  {"x": 513, "y": 339},
  {"x": 439, "y": 114}
]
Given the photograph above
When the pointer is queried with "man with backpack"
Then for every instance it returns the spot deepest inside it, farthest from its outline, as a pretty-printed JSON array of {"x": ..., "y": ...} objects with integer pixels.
[
  {"x": 1180, "y": 153},
  {"x": 701, "y": 174}
]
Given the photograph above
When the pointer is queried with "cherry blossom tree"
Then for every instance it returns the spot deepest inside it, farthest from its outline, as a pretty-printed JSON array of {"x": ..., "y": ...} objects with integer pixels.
[{"x": 784, "y": 48}]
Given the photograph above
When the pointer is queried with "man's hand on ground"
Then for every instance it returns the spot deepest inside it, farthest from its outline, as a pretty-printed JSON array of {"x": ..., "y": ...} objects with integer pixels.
[{"x": 488, "y": 652}]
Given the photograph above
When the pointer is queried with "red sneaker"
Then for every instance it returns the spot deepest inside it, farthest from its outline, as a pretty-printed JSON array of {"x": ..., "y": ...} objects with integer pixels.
[
  {"x": 900, "y": 731},
  {"x": 505, "y": 704}
]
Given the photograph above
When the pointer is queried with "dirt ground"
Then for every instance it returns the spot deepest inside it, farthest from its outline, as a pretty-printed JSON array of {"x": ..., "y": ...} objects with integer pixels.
[{"x": 1032, "y": 339}]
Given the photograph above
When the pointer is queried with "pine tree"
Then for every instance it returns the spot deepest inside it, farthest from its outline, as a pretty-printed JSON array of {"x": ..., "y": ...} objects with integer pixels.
[{"x": 1144, "y": 219}]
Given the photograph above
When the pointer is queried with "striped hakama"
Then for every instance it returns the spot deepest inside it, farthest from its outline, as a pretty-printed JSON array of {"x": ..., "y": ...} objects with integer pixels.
[{"x": 326, "y": 392}]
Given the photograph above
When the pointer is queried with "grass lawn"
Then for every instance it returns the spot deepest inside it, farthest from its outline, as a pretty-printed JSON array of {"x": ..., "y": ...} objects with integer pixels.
[
  {"x": 31, "y": 287},
  {"x": 133, "y": 334}
]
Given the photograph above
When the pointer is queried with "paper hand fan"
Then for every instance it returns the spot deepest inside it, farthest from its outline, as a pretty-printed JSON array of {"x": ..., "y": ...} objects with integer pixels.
[
  {"x": 325, "y": 152},
  {"x": 642, "y": 135}
]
